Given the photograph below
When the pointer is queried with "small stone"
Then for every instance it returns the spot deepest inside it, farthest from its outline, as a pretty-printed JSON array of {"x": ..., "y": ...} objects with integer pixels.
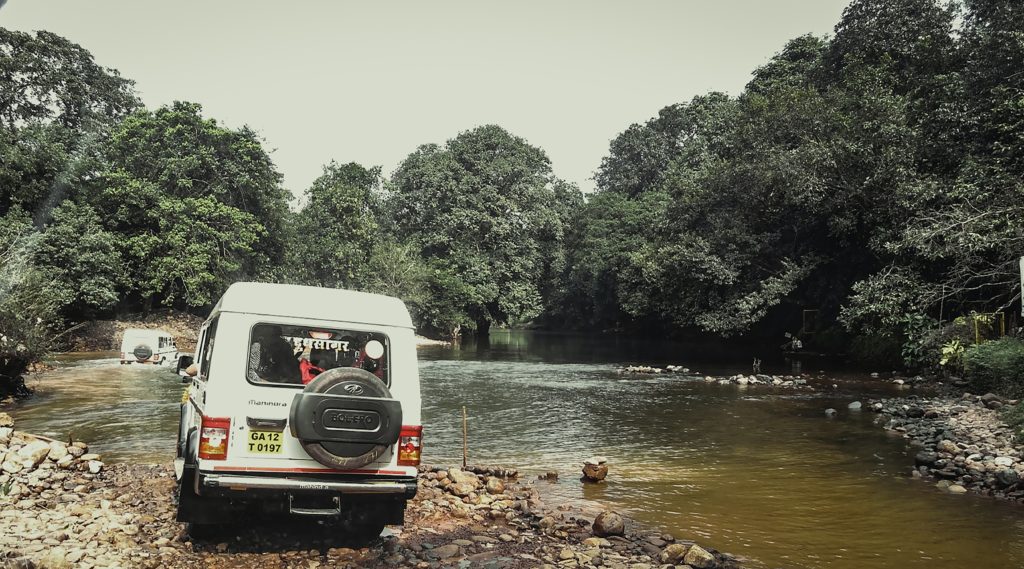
[
  {"x": 830, "y": 412},
  {"x": 58, "y": 450},
  {"x": 95, "y": 466},
  {"x": 673, "y": 554},
  {"x": 445, "y": 552},
  {"x": 495, "y": 485},
  {"x": 957, "y": 489},
  {"x": 566, "y": 553},
  {"x": 6, "y": 420},
  {"x": 855, "y": 406}
]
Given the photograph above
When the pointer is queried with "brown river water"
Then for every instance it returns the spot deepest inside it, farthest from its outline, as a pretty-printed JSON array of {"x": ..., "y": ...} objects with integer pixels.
[{"x": 757, "y": 472}]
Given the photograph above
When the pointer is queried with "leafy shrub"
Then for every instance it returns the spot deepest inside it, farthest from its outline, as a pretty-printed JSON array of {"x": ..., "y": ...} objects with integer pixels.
[
  {"x": 996, "y": 366},
  {"x": 879, "y": 350},
  {"x": 1014, "y": 417}
]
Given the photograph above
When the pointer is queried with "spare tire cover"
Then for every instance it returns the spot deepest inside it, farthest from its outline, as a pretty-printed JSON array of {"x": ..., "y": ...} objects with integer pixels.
[
  {"x": 142, "y": 352},
  {"x": 335, "y": 381}
]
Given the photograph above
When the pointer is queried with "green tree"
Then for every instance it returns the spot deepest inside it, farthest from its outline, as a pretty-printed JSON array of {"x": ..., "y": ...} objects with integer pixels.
[
  {"x": 47, "y": 78},
  {"x": 478, "y": 209},
  {"x": 335, "y": 231},
  {"x": 195, "y": 205},
  {"x": 80, "y": 260}
]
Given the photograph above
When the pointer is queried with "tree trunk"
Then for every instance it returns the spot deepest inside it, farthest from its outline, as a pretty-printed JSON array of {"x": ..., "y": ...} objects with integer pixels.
[{"x": 483, "y": 328}]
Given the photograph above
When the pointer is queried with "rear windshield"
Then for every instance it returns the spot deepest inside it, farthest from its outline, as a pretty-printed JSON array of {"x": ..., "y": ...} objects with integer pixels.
[{"x": 295, "y": 355}]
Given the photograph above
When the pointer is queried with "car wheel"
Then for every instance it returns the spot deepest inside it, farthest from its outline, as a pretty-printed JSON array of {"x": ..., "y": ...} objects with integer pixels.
[
  {"x": 364, "y": 529},
  {"x": 342, "y": 454}
]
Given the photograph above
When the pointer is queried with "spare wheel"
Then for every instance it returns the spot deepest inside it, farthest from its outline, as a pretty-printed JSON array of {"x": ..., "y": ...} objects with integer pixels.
[
  {"x": 345, "y": 418},
  {"x": 142, "y": 352}
]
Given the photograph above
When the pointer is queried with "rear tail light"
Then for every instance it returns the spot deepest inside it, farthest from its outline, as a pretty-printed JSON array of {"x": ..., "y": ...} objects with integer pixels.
[
  {"x": 213, "y": 438},
  {"x": 410, "y": 443}
]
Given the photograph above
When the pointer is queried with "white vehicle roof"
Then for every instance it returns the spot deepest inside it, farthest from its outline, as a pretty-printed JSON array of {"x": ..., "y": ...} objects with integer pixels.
[
  {"x": 317, "y": 303},
  {"x": 145, "y": 333}
]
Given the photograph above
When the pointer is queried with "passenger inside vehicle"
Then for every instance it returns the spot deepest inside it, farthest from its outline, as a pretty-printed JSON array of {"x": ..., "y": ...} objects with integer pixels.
[{"x": 271, "y": 357}]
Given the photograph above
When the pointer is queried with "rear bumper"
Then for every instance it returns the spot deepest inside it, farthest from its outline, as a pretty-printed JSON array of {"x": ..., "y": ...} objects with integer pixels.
[{"x": 404, "y": 487}]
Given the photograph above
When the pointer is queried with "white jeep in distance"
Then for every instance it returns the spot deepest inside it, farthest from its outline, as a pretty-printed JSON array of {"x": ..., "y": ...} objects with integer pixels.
[{"x": 306, "y": 401}]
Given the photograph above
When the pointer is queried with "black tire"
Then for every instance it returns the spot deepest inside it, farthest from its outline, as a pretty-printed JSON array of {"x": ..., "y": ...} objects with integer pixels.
[
  {"x": 142, "y": 352},
  {"x": 363, "y": 530},
  {"x": 203, "y": 532},
  {"x": 346, "y": 455}
]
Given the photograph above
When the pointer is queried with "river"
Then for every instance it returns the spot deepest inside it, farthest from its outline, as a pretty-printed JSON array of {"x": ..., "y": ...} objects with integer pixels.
[{"x": 758, "y": 472}]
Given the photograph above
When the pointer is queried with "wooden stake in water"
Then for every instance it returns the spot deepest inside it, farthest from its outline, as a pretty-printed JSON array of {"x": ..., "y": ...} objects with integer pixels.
[{"x": 465, "y": 445}]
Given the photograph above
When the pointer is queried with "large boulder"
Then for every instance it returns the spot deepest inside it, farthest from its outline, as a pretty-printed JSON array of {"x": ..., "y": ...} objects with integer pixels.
[
  {"x": 609, "y": 523},
  {"x": 700, "y": 558},
  {"x": 463, "y": 477},
  {"x": 34, "y": 452}
]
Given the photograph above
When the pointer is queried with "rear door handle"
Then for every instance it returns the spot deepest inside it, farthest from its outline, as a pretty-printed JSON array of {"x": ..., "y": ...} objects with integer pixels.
[{"x": 266, "y": 424}]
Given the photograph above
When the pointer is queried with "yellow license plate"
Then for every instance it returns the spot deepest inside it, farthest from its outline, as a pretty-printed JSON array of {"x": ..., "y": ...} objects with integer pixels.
[{"x": 265, "y": 442}]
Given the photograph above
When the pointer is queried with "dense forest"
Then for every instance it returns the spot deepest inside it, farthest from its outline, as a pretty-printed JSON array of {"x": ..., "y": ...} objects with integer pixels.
[{"x": 871, "y": 179}]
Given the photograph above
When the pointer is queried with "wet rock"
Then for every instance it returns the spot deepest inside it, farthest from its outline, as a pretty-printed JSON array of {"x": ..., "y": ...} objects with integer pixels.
[
  {"x": 830, "y": 412},
  {"x": 855, "y": 406},
  {"x": 957, "y": 489},
  {"x": 595, "y": 469},
  {"x": 6, "y": 420},
  {"x": 915, "y": 412},
  {"x": 608, "y": 524}
]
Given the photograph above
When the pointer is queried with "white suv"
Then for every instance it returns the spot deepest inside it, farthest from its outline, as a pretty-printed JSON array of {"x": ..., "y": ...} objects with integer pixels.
[{"x": 305, "y": 401}]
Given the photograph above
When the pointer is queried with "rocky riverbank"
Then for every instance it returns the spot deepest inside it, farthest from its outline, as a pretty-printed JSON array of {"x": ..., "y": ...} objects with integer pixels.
[
  {"x": 59, "y": 512},
  {"x": 786, "y": 381},
  {"x": 962, "y": 442}
]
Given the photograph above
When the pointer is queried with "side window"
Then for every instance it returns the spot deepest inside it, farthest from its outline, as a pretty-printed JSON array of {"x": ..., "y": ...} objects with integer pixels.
[{"x": 206, "y": 351}]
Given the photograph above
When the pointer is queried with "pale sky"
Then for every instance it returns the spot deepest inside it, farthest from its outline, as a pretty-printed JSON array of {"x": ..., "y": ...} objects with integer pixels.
[{"x": 370, "y": 81}]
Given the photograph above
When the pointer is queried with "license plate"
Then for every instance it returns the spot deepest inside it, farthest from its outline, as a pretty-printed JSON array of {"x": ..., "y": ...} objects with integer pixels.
[{"x": 265, "y": 442}]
